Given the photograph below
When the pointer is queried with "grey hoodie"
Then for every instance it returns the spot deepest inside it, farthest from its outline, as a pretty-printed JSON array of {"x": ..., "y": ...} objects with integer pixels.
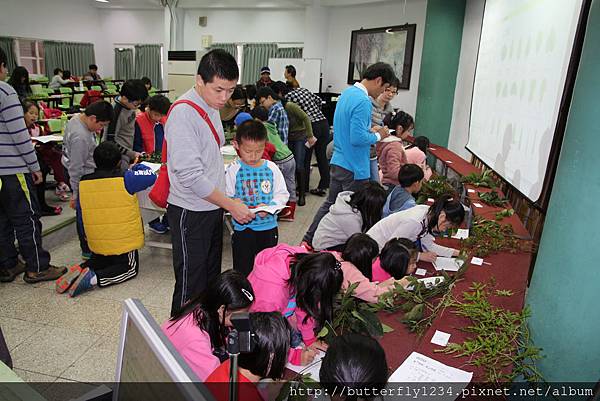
[{"x": 339, "y": 224}]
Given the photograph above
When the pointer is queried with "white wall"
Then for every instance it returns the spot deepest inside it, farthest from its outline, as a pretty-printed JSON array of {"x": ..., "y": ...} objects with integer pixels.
[
  {"x": 459, "y": 128},
  {"x": 235, "y": 26},
  {"x": 126, "y": 26},
  {"x": 78, "y": 21},
  {"x": 343, "y": 20}
]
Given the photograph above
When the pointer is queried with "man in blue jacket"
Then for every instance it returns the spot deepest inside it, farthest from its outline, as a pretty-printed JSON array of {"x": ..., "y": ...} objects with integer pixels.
[{"x": 353, "y": 136}]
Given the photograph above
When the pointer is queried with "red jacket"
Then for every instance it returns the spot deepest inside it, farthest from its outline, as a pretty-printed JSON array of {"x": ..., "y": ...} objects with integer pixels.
[{"x": 147, "y": 129}]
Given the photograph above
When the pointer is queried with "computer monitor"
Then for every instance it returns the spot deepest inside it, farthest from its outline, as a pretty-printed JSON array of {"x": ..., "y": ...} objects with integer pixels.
[{"x": 148, "y": 366}]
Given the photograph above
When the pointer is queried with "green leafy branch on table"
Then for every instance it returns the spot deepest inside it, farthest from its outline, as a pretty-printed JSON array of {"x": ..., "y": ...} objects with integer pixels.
[
  {"x": 484, "y": 179},
  {"x": 487, "y": 237},
  {"x": 504, "y": 213},
  {"x": 492, "y": 198},
  {"x": 434, "y": 188},
  {"x": 500, "y": 338}
]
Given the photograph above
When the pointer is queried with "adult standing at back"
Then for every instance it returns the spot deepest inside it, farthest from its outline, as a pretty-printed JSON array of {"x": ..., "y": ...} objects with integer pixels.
[
  {"x": 353, "y": 137},
  {"x": 197, "y": 178},
  {"x": 311, "y": 105}
]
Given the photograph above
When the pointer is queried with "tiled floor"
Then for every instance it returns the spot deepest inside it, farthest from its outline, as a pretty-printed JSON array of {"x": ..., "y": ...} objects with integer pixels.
[{"x": 53, "y": 338}]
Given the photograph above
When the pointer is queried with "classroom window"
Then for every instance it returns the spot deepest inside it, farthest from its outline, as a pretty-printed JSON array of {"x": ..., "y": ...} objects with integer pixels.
[{"x": 30, "y": 54}]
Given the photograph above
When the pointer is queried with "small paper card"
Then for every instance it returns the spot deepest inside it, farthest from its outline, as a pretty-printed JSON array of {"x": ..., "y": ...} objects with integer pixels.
[
  {"x": 477, "y": 204},
  {"x": 461, "y": 233},
  {"x": 430, "y": 200},
  {"x": 432, "y": 148},
  {"x": 449, "y": 161},
  {"x": 448, "y": 264},
  {"x": 476, "y": 261},
  {"x": 440, "y": 338},
  {"x": 420, "y": 272},
  {"x": 471, "y": 191}
]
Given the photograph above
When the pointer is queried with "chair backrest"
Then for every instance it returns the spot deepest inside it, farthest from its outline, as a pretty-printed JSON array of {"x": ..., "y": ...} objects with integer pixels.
[
  {"x": 96, "y": 88},
  {"x": 37, "y": 89},
  {"x": 65, "y": 90},
  {"x": 55, "y": 125}
]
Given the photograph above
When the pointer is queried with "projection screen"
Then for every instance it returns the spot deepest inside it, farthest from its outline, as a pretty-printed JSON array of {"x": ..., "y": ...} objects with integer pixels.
[{"x": 524, "y": 54}]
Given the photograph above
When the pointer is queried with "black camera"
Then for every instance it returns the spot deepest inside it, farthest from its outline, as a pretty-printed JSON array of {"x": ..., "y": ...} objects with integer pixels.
[{"x": 241, "y": 338}]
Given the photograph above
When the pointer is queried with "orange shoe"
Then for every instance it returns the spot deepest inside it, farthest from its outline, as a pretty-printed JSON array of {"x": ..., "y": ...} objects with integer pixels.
[{"x": 65, "y": 281}]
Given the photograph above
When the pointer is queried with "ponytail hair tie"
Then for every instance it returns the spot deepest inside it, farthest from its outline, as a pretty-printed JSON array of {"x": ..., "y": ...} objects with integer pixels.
[
  {"x": 338, "y": 265},
  {"x": 247, "y": 294}
]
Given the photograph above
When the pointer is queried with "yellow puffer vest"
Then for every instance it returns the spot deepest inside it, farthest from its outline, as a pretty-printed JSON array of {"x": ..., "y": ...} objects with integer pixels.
[{"x": 111, "y": 216}]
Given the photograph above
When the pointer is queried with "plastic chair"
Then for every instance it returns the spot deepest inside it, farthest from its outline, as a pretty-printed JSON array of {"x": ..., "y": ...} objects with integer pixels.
[
  {"x": 96, "y": 88},
  {"x": 65, "y": 104},
  {"x": 55, "y": 126},
  {"x": 37, "y": 89}
]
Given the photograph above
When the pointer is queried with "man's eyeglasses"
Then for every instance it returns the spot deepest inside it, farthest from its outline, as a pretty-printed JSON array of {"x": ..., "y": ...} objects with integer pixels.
[{"x": 391, "y": 92}]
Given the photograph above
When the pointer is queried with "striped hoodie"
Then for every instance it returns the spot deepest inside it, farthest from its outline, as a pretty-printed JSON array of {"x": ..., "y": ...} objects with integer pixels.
[{"x": 17, "y": 154}]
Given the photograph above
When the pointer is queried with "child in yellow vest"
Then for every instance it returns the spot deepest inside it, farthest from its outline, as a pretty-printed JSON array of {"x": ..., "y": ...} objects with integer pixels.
[{"x": 111, "y": 221}]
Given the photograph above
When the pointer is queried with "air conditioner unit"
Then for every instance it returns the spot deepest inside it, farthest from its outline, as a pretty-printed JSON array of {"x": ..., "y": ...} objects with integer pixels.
[{"x": 181, "y": 70}]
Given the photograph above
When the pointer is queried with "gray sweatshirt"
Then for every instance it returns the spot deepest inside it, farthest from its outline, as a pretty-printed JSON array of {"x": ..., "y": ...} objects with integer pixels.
[
  {"x": 124, "y": 131},
  {"x": 339, "y": 224},
  {"x": 16, "y": 150},
  {"x": 78, "y": 151},
  {"x": 194, "y": 158}
]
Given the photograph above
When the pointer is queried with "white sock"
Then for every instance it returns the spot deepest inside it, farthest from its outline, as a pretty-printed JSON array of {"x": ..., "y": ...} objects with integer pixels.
[{"x": 94, "y": 279}]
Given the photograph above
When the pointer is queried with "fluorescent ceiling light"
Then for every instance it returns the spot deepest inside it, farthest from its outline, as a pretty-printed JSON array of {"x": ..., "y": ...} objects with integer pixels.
[{"x": 103, "y": 1}]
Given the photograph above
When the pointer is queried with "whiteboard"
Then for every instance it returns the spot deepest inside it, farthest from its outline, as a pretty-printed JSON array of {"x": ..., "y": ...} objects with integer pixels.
[
  {"x": 308, "y": 71},
  {"x": 524, "y": 54}
]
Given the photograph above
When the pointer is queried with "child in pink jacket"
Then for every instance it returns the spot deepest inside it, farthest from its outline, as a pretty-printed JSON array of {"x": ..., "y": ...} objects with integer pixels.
[
  {"x": 301, "y": 286},
  {"x": 417, "y": 154},
  {"x": 398, "y": 258},
  {"x": 197, "y": 331},
  {"x": 390, "y": 151}
]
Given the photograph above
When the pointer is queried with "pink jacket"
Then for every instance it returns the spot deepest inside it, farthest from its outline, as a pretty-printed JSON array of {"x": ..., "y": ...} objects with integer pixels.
[
  {"x": 366, "y": 290},
  {"x": 390, "y": 153},
  {"x": 272, "y": 293},
  {"x": 193, "y": 344},
  {"x": 379, "y": 274}
]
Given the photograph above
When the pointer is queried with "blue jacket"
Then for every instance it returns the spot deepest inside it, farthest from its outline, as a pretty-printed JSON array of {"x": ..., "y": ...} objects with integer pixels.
[
  {"x": 399, "y": 199},
  {"x": 352, "y": 136}
]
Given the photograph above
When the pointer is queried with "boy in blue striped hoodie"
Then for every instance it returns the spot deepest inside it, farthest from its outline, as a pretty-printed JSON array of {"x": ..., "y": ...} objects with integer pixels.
[
  {"x": 19, "y": 206},
  {"x": 255, "y": 182}
]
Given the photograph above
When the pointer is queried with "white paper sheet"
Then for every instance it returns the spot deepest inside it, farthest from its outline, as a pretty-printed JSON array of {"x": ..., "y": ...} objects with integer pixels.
[
  {"x": 477, "y": 204},
  {"x": 312, "y": 369},
  {"x": 448, "y": 264},
  {"x": 471, "y": 191},
  {"x": 428, "y": 282},
  {"x": 420, "y": 272},
  {"x": 154, "y": 166},
  {"x": 440, "y": 338},
  {"x": 476, "y": 261},
  {"x": 48, "y": 138},
  {"x": 273, "y": 209},
  {"x": 418, "y": 368},
  {"x": 461, "y": 233}
]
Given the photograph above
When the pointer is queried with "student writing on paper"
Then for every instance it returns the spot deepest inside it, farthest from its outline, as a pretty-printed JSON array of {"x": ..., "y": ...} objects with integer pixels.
[
  {"x": 352, "y": 212},
  {"x": 271, "y": 342},
  {"x": 419, "y": 224},
  {"x": 356, "y": 363},
  {"x": 255, "y": 182},
  {"x": 300, "y": 286}
]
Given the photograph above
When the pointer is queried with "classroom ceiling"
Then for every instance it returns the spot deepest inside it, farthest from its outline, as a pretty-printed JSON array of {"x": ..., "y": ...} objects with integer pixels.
[{"x": 231, "y": 4}]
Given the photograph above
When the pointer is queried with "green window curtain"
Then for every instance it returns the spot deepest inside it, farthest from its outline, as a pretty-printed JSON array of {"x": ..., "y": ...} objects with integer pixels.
[
  {"x": 8, "y": 45},
  {"x": 72, "y": 56},
  {"x": 289, "y": 52},
  {"x": 124, "y": 64},
  {"x": 230, "y": 48},
  {"x": 256, "y": 55},
  {"x": 147, "y": 63}
]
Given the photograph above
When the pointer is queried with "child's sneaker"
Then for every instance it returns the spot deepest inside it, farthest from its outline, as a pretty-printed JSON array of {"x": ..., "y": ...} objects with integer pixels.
[
  {"x": 62, "y": 191},
  {"x": 65, "y": 281},
  {"x": 82, "y": 284},
  {"x": 86, "y": 255},
  {"x": 158, "y": 226}
]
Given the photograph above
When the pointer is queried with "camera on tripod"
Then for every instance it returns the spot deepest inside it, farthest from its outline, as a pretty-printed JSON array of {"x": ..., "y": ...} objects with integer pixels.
[{"x": 240, "y": 340}]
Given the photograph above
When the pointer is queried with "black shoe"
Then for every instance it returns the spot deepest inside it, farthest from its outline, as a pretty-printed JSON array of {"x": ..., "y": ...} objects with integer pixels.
[
  {"x": 318, "y": 192},
  {"x": 9, "y": 275},
  {"x": 301, "y": 200}
]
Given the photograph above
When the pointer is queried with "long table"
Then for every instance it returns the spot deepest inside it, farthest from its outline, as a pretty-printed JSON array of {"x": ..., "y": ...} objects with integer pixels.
[{"x": 509, "y": 270}]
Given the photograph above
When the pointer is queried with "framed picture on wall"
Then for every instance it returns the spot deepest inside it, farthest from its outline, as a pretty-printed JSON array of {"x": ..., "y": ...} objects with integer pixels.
[{"x": 393, "y": 45}]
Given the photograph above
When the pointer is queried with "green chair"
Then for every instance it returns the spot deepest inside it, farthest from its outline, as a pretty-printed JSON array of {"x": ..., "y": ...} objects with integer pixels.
[
  {"x": 55, "y": 126},
  {"x": 65, "y": 104},
  {"x": 111, "y": 89},
  {"x": 152, "y": 91},
  {"x": 96, "y": 88},
  {"x": 37, "y": 89},
  {"x": 48, "y": 91}
]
